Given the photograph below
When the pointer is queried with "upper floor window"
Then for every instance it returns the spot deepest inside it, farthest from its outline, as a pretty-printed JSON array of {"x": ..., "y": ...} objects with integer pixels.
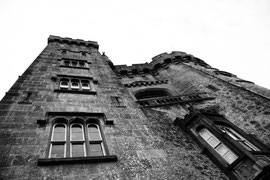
[
  {"x": 58, "y": 141},
  {"x": 218, "y": 146},
  {"x": 75, "y": 84},
  {"x": 74, "y": 63},
  {"x": 76, "y": 140},
  {"x": 237, "y": 137}
]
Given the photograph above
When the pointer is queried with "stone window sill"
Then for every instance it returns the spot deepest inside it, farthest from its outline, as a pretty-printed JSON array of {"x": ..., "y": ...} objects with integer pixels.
[
  {"x": 74, "y": 91},
  {"x": 76, "y": 160}
]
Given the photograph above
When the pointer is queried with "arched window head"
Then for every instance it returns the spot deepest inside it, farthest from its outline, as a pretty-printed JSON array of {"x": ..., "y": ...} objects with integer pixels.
[
  {"x": 237, "y": 137},
  {"x": 95, "y": 140},
  {"x": 58, "y": 141},
  {"x": 77, "y": 141},
  {"x": 218, "y": 146},
  {"x": 152, "y": 93}
]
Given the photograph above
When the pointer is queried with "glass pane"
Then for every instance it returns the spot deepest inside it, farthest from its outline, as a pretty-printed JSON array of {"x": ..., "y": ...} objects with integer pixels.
[
  {"x": 66, "y": 63},
  {"x": 97, "y": 153},
  {"x": 59, "y": 136},
  {"x": 59, "y": 128},
  {"x": 221, "y": 149},
  {"x": 77, "y": 132},
  {"x": 213, "y": 141},
  {"x": 205, "y": 134},
  {"x": 75, "y": 84},
  {"x": 57, "y": 150},
  {"x": 92, "y": 128},
  {"x": 76, "y": 128},
  {"x": 77, "y": 136},
  {"x": 64, "y": 83},
  {"x": 230, "y": 157},
  {"x": 94, "y": 136},
  {"x": 77, "y": 150},
  {"x": 74, "y": 63},
  {"x": 85, "y": 85},
  {"x": 96, "y": 150},
  {"x": 81, "y": 64}
]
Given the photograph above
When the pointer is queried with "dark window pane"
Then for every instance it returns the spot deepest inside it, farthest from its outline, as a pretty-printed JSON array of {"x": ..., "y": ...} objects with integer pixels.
[
  {"x": 57, "y": 150},
  {"x": 77, "y": 150},
  {"x": 64, "y": 83}
]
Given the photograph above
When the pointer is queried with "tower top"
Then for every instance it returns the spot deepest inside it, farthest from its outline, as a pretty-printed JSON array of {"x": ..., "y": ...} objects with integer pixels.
[{"x": 72, "y": 41}]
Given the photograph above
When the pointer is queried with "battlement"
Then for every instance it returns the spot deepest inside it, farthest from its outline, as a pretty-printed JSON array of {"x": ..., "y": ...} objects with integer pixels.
[
  {"x": 72, "y": 41},
  {"x": 159, "y": 61}
]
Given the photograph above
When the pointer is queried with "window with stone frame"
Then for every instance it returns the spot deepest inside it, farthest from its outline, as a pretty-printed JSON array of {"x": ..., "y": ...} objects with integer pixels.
[
  {"x": 218, "y": 146},
  {"x": 238, "y": 138},
  {"x": 76, "y": 139},
  {"x": 75, "y": 84},
  {"x": 74, "y": 63}
]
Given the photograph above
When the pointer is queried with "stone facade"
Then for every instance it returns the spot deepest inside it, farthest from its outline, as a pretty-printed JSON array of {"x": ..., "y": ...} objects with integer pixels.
[{"x": 144, "y": 112}]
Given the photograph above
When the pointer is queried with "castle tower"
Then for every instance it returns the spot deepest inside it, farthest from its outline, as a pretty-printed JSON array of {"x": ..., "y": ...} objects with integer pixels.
[{"x": 73, "y": 114}]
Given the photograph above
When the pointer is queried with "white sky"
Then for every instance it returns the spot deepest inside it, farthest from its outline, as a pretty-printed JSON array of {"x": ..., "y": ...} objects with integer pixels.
[{"x": 231, "y": 35}]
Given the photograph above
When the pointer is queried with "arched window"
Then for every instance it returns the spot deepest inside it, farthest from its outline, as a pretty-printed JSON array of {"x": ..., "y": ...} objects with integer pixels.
[
  {"x": 152, "y": 93},
  {"x": 95, "y": 140},
  {"x": 237, "y": 137},
  {"x": 77, "y": 145},
  {"x": 76, "y": 139},
  {"x": 218, "y": 146},
  {"x": 58, "y": 141}
]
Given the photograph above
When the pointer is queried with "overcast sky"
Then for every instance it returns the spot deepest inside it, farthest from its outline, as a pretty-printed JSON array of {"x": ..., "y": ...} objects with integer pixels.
[{"x": 231, "y": 35}]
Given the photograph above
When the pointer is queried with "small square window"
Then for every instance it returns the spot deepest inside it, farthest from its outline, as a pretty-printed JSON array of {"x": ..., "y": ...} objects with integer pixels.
[
  {"x": 66, "y": 63},
  {"x": 75, "y": 85},
  {"x": 74, "y": 63},
  {"x": 64, "y": 84}
]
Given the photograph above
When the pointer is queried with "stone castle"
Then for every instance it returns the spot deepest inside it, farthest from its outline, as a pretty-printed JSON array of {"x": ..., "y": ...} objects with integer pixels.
[{"x": 73, "y": 114}]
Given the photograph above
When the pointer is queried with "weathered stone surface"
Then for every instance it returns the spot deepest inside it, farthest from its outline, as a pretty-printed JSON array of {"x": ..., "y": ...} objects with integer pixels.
[{"x": 147, "y": 143}]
